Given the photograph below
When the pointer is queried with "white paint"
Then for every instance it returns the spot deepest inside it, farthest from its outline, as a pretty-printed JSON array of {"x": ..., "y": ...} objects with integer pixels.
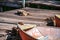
[{"x": 23, "y": 3}]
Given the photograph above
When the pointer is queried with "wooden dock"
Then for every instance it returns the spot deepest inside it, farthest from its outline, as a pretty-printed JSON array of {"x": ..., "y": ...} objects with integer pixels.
[{"x": 9, "y": 19}]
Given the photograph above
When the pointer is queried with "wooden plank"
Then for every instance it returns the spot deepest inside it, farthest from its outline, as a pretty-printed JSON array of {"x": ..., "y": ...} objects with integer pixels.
[
  {"x": 23, "y": 17},
  {"x": 46, "y": 3},
  {"x": 7, "y": 26},
  {"x": 37, "y": 17},
  {"x": 10, "y": 20}
]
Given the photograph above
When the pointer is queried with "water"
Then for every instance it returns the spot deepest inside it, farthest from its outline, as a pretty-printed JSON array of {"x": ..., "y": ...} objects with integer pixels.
[
  {"x": 46, "y": 6},
  {"x": 7, "y": 8}
]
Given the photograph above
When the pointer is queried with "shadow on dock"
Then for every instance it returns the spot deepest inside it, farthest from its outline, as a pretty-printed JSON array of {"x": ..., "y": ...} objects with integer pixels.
[{"x": 13, "y": 35}]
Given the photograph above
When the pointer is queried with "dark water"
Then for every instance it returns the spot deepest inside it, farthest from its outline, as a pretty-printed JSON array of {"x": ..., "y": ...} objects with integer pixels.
[
  {"x": 7, "y": 8},
  {"x": 44, "y": 7}
]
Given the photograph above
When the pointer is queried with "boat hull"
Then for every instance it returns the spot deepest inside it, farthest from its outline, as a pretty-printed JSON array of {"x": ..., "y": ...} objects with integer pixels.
[
  {"x": 57, "y": 20},
  {"x": 24, "y": 36}
]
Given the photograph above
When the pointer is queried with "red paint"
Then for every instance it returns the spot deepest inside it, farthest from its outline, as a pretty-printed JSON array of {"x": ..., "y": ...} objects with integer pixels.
[
  {"x": 57, "y": 21},
  {"x": 24, "y": 36}
]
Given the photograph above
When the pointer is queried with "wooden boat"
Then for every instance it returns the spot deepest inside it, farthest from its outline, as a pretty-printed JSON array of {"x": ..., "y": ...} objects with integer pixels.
[
  {"x": 57, "y": 20},
  {"x": 29, "y": 32},
  {"x": 39, "y": 33}
]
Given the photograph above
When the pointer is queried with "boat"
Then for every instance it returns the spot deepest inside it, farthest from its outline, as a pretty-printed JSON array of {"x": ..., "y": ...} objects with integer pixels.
[
  {"x": 30, "y": 32},
  {"x": 37, "y": 33},
  {"x": 57, "y": 20}
]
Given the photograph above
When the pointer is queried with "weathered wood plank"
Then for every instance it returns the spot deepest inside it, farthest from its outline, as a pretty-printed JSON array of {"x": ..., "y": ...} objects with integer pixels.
[
  {"x": 10, "y": 20},
  {"x": 7, "y": 26},
  {"x": 23, "y": 17}
]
